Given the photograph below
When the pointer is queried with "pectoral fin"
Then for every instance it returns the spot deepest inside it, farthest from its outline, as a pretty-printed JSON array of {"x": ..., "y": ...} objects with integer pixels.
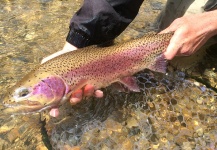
[
  {"x": 130, "y": 83},
  {"x": 80, "y": 85}
]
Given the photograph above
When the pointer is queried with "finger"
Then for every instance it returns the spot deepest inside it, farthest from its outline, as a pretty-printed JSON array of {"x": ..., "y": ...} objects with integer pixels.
[
  {"x": 76, "y": 97},
  {"x": 167, "y": 30},
  {"x": 54, "y": 112},
  {"x": 98, "y": 94},
  {"x": 74, "y": 100},
  {"x": 172, "y": 27},
  {"x": 88, "y": 90},
  {"x": 171, "y": 51}
]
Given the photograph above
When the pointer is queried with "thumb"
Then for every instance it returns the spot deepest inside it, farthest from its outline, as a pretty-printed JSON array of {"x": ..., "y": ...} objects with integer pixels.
[{"x": 171, "y": 51}]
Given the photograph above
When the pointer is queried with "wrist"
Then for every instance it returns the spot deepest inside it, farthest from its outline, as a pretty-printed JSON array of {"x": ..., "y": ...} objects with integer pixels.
[
  {"x": 69, "y": 47},
  {"x": 211, "y": 18}
]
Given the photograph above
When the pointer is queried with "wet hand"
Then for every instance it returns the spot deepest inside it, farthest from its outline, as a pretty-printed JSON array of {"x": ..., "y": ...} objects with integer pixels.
[
  {"x": 87, "y": 91},
  {"x": 77, "y": 96},
  {"x": 190, "y": 33}
]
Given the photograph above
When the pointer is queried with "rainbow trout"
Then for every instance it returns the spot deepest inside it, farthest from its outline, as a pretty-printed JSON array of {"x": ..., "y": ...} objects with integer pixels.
[{"x": 52, "y": 83}]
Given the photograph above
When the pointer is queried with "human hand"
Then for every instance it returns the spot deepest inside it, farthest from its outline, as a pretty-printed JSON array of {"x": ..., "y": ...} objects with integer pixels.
[
  {"x": 76, "y": 97},
  {"x": 190, "y": 33}
]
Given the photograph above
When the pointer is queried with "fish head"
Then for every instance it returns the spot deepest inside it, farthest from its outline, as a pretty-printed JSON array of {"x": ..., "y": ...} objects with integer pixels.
[{"x": 35, "y": 92}]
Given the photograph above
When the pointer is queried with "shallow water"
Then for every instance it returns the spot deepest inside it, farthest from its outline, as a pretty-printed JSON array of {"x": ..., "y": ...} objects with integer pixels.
[{"x": 31, "y": 30}]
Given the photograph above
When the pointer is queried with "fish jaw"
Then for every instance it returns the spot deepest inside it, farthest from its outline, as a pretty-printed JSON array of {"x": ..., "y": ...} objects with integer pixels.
[
  {"x": 23, "y": 109},
  {"x": 35, "y": 96}
]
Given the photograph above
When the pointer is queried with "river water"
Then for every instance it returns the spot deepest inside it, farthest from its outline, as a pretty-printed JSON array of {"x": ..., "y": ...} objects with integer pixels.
[{"x": 31, "y": 30}]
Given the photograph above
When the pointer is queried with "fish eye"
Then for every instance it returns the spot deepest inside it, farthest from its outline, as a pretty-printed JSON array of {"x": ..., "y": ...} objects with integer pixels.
[{"x": 22, "y": 92}]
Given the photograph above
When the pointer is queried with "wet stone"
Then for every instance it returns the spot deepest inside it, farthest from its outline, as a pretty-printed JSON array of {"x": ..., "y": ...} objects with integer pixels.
[
  {"x": 173, "y": 101},
  {"x": 30, "y": 36},
  {"x": 180, "y": 118},
  {"x": 173, "y": 118},
  {"x": 183, "y": 124},
  {"x": 41, "y": 147},
  {"x": 127, "y": 145},
  {"x": 199, "y": 131},
  {"x": 200, "y": 100},
  {"x": 134, "y": 131},
  {"x": 132, "y": 122},
  {"x": 113, "y": 126},
  {"x": 186, "y": 146},
  {"x": 177, "y": 123},
  {"x": 163, "y": 139},
  {"x": 151, "y": 106},
  {"x": 13, "y": 135}
]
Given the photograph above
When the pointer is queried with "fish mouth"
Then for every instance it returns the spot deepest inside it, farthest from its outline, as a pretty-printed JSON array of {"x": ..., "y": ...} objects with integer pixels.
[
  {"x": 23, "y": 108},
  {"x": 24, "y": 103}
]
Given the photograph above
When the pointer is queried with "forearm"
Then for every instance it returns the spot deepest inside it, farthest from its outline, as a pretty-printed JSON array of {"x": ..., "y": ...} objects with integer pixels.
[
  {"x": 99, "y": 21},
  {"x": 210, "y": 22}
]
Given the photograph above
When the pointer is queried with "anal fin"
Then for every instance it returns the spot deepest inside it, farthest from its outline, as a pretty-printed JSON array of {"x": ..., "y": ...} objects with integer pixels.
[{"x": 159, "y": 65}]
